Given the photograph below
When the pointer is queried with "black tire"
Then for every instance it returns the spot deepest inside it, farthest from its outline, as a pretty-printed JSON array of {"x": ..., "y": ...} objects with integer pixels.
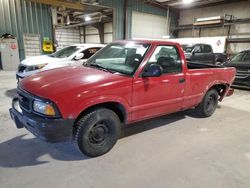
[
  {"x": 209, "y": 104},
  {"x": 97, "y": 132}
]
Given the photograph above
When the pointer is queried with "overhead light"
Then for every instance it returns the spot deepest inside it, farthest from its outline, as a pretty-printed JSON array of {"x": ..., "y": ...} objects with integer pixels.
[
  {"x": 187, "y": 1},
  {"x": 68, "y": 20},
  {"x": 87, "y": 18},
  {"x": 209, "y": 19}
]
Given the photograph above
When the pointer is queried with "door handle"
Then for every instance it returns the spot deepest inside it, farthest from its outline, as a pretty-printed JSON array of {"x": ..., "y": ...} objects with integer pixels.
[{"x": 182, "y": 80}]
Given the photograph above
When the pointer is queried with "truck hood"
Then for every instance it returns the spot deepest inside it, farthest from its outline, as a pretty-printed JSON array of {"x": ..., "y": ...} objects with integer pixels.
[
  {"x": 51, "y": 84},
  {"x": 38, "y": 60}
]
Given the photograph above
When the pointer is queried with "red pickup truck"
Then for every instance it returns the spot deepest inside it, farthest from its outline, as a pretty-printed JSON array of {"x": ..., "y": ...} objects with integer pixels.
[{"x": 125, "y": 82}]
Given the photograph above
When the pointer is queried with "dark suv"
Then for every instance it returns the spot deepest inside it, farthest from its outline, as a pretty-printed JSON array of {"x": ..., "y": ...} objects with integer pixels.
[{"x": 241, "y": 62}]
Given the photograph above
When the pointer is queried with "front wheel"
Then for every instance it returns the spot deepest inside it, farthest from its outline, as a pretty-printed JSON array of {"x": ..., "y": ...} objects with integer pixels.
[
  {"x": 97, "y": 132},
  {"x": 209, "y": 104}
]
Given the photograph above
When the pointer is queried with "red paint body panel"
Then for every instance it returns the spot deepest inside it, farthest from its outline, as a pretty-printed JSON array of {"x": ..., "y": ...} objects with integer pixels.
[{"x": 74, "y": 89}]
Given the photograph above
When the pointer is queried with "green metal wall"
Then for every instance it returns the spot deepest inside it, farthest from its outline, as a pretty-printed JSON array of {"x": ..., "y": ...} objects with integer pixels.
[
  {"x": 18, "y": 17},
  {"x": 118, "y": 17}
]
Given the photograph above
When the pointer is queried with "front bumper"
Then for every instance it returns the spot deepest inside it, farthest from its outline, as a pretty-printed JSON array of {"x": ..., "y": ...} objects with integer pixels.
[
  {"x": 50, "y": 130},
  {"x": 19, "y": 78}
]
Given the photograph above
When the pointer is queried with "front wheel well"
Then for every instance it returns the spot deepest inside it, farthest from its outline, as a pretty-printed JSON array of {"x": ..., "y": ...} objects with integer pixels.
[{"x": 118, "y": 108}]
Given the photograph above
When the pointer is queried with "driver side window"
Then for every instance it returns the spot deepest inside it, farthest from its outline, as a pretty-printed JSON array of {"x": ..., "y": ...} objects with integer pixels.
[
  {"x": 168, "y": 58},
  {"x": 197, "y": 49}
]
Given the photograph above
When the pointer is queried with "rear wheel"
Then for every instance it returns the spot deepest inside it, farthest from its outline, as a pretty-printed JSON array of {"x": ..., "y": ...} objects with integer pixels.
[
  {"x": 209, "y": 104},
  {"x": 97, "y": 132}
]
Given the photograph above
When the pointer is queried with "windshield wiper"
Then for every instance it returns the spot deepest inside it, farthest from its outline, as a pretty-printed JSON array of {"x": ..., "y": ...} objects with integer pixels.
[{"x": 100, "y": 67}]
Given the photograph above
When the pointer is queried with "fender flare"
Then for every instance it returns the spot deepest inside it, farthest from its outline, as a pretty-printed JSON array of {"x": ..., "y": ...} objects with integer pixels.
[
  {"x": 89, "y": 102},
  {"x": 213, "y": 84}
]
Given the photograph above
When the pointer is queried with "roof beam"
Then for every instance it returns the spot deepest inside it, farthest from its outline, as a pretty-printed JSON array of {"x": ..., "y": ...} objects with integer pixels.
[
  {"x": 61, "y": 3},
  {"x": 170, "y": 2},
  {"x": 216, "y": 3},
  {"x": 178, "y": 4},
  {"x": 154, "y": 3}
]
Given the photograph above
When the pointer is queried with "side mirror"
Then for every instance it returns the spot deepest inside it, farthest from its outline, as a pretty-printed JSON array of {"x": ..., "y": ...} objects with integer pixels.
[
  {"x": 79, "y": 56},
  {"x": 153, "y": 70}
]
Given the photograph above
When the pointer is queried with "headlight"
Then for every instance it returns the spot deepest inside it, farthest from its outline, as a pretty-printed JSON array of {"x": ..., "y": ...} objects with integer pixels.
[
  {"x": 44, "y": 108},
  {"x": 40, "y": 66},
  {"x": 35, "y": 67}
]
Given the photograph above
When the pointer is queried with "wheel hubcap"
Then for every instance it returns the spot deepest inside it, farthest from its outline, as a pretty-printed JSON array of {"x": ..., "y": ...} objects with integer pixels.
[{"x": 99, "y": 133}]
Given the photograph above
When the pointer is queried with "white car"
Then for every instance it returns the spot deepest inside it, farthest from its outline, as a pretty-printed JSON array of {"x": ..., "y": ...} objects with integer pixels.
[{"x": 69, "y": 56}]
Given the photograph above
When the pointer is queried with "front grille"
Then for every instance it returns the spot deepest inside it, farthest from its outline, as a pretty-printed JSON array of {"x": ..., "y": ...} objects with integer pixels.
[
  {"x": 21, "y": 68},
  {"x": 243, "y": 73},
  {"x": 24, "y": 101}
]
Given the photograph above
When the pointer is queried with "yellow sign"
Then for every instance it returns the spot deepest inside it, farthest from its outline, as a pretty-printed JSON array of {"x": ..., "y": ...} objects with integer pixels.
[{"x": 47, "y": 46}]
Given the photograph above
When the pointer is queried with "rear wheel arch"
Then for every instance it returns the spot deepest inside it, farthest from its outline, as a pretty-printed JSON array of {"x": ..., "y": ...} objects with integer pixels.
[{"x": 221, "y": 89}]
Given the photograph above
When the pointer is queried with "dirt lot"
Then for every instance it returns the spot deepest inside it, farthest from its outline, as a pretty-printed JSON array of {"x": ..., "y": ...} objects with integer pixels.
[{"x": 173, "y": 151}]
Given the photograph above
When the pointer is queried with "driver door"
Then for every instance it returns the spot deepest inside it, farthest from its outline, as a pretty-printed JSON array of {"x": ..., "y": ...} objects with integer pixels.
[{"x": 154, "y": 96}]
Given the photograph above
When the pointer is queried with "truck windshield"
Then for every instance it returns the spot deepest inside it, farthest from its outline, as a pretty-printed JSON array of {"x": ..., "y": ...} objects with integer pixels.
[
  {"x": 65, "y": 52},
  {"x": 122, "y": 58}
]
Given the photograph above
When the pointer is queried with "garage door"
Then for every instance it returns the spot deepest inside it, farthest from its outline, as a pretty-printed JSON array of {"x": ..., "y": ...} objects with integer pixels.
[
  {"x": 92, "y": 34},
  {"x": 32, "y": 45},
  {"x": 148, "y": 25},
  {"x": 108, "y": 32},
  {"x": 67, "y": 36}
]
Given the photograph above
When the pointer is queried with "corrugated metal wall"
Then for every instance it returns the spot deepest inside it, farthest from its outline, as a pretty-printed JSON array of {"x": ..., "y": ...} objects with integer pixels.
[
  {"x": 18, "y": 17},
  {"x": 118, "y": 17},
  {"x": 67, "y": 36}
]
